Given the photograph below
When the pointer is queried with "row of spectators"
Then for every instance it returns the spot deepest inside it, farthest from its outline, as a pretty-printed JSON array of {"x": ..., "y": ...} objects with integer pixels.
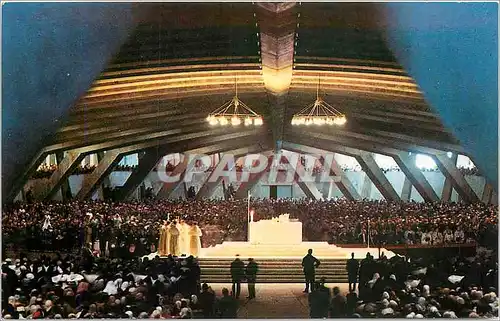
[
  {"x": 82, "y": 286},
  {"x": 338, "y": 222},
  {"x": 45, "y": 171},
  {"x": 429, "y": 287}
]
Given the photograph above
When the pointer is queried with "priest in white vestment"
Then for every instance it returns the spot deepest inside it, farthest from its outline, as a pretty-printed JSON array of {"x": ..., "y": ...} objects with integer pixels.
[
  {"x": 163, "y": 241},
  {"x": 183, "y": 228},
  {"x": 195, "y": 240},
  {"x": 173, "y": 243}
]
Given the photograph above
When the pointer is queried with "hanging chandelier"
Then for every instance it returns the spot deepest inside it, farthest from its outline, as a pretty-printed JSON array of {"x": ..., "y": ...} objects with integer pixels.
[
  {"x": 235, "y": 113},
  {"x": 319, "y": 113}
]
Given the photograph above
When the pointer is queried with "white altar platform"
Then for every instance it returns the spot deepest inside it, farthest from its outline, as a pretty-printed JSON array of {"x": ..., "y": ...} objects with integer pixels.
[
  {"x": 321, "y": 250},
  {"x": 281, "y": 238},
  {"x": 276, "y": 231}
]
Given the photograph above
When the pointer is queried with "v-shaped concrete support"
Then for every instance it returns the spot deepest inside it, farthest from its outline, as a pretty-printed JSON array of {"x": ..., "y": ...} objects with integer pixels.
[{"x": 64, "y": 170}]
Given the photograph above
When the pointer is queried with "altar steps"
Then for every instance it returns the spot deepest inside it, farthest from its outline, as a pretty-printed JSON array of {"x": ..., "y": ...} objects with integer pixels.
[
  {"x": 217, "y": 270},
  {"x": 282, "y": 251}
]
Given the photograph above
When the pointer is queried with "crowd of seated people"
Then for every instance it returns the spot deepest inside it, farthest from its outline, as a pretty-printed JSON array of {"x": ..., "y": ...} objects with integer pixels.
[
  {"x": 45, "y": 171},
  {"x": 473, "y": 171},
  {"x": 125, "y": 168},
  {"x": 336, "y": 221},
  {"x": 429, "y": 287},
  {"x": 85, "y": 287}
]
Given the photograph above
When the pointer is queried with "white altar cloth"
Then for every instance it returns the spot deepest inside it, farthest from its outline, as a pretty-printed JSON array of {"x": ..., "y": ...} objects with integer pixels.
[{"x": 274, "y": 232}]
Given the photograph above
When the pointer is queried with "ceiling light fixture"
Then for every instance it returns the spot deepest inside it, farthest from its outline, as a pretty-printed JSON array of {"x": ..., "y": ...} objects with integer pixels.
[
  {"x": 319, "y": 113},
  {"x": 234, "y": 112}
]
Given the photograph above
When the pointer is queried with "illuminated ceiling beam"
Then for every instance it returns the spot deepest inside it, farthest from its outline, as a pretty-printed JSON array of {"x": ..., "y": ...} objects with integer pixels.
[
  {"x": 126, "y": 126},
  {"x": 143, "y": 111},
  {"x": 277, "y": 22},
  {"x": 344, "y": 184},
  {"x": 163, "y": 137},
  {"x": 128, "y": 137},
  {"x": 87, "y": 117},
  {"x": 377, "y": 84},
  {"x": 172, "y": 82},
  {"x": 275, "y": 76}
]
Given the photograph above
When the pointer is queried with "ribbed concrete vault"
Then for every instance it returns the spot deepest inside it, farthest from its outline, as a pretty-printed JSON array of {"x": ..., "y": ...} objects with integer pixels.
[{"x": 156, "y": 92}]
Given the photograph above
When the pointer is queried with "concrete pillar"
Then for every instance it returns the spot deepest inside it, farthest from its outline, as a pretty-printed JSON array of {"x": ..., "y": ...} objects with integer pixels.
[
  {"x": 366, "y": 189},
  {"x": 93, "y": 181},
  {"x": 370, "y": 167},
  {"x": 147, "y": 162},
  {"x": 450, "y": 170},
  {"x": 65, "y": 187},
  {"x": 406, "y": 192},
  {"x": 64, "y": 170},
  {"x": 406, "y": 163},
  {"x": 448, "y": 186}
]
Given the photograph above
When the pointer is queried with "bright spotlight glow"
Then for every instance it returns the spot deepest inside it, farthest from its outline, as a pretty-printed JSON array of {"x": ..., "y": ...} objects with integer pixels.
[
  {"x": 235, "y": 121},
  {"x": 258, "y": 121},
  {"x": 223, "y": 121},
  {"x": 319, "y": 121},
  {"x": 213, "y": 121},
  {"x": 248, "y": 121}
]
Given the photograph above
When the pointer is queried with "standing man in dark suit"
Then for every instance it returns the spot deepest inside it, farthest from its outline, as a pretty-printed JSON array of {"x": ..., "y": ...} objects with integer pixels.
[
  {"x": 251, "y": 273},
  {"x": 310, "y": 263},
  {"x": 352, "y": 268},
  {"x": 237, "y": 275}
]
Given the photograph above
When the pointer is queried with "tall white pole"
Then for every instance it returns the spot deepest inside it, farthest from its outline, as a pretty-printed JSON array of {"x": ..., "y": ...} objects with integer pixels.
[
  {"x": 248, "y": 216},
  {"x": 368, "y": 232}
]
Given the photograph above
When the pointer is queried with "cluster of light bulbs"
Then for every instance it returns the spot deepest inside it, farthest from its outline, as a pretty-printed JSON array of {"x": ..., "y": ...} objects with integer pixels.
[
  {"x": 234, "y": 120},
  {"x": 319, "y": 120}
]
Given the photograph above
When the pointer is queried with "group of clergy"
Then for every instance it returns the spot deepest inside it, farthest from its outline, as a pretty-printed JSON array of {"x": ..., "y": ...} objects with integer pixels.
[{"x": 179, "y": 238}]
